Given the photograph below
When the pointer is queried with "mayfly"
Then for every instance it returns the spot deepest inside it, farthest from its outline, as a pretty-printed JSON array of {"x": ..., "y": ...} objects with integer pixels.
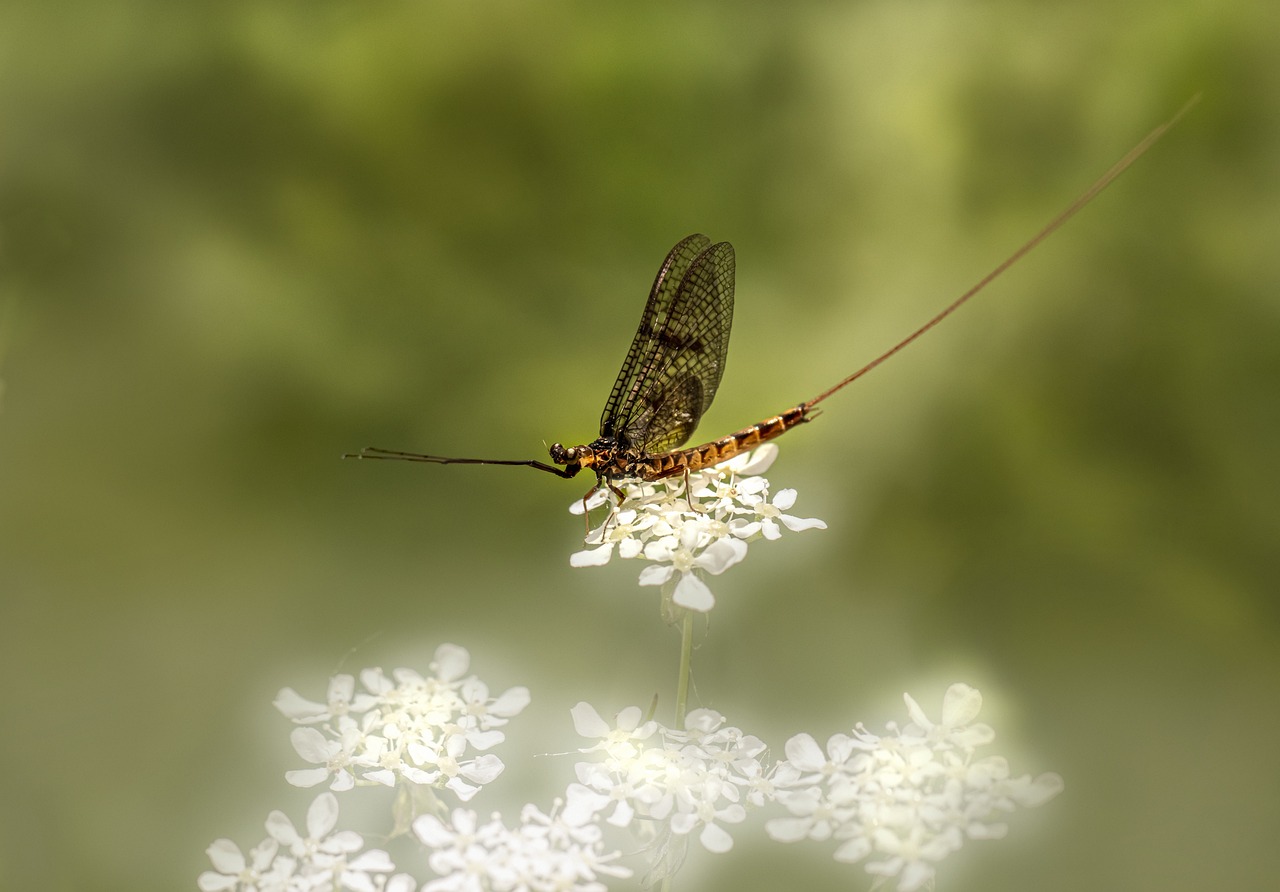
[{"x": 673, "y": 369}]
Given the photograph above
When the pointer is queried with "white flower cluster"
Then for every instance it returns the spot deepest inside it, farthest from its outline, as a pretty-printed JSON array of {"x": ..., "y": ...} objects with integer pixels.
[
  {"x": 287, "y": 861},
  {"x": 404, "y": 728},
  {"x": 706, "y": 528},
  {"x": 696, "y": 779},
  {"x": 560, "y": 852},
  {"x": 911, "y": 797}
]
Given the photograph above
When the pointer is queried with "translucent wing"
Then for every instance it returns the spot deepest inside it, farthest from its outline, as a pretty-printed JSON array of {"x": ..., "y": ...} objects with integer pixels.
[
  {"x": 683, "y": 359},
  {"x": 652, "y": 323}
]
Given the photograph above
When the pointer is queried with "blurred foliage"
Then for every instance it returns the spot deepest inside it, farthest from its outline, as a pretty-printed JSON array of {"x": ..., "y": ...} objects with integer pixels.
[{"x": 239, "y": 239}]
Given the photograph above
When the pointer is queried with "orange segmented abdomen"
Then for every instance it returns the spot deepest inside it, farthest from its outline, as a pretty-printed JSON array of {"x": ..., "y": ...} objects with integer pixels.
[{"x": 695, "y": 458}]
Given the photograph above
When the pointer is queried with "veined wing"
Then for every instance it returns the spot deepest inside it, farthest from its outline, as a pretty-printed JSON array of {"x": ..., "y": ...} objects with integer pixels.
[
  {"x": 652, "y": 323},
  {"x": 679, "y": 377}
]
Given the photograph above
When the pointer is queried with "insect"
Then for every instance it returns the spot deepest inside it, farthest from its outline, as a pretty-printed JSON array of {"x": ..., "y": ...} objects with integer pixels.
[{"x": 676, "y": 360}]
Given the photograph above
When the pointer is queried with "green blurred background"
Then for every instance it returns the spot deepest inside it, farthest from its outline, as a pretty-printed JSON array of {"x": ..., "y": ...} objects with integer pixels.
[{"x": 239, "y": 239}]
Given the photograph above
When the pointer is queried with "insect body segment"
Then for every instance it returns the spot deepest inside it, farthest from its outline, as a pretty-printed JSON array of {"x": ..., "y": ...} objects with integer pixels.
[{"x": 668, "y": 464}]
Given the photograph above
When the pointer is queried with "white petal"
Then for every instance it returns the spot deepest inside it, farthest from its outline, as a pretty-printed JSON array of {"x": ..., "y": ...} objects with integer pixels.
[
  {"x": 484, "y": 769},
  {"x": 656, "y": 575},
  {"x": 587, "y": 722},
  {"x": 432, "y": 831},
  {"x": 916, "y": 874},
  {"x": 784, "y": 499},
  {"x": 629, "y": 548},
  {"x": 692, "y": 593},
  {"x": 594, "y": 499},
  {"x": 401, "y": 882},
  {"x": 375, "y": 681},
  {"x": 974, "y": 736},
  {"x": 854, "y": 850},
  {"x": 760, "y": 460},
  {"x": 485, "y": 740},
  {"x": 451, "y": 662},
  {"x": 1041, "y": 790},
  {"x": 307, "y": 777},
  {"x": 225, "y": 855},
  {"x": 216, "y": 882},
  {"x": 804, "y": 753},
  {"x": 628, "y": 718},
  {"x": 322, "y": 816},
  {"x": 310, "y": 744},
  {"x": 721, "y": 554},
  {"x": 703, "y": 720},
  {"x": 344, "y": 842},
  {"x": 916, "y": 713},
  {"x": 799, "y": 524},
  {"x": 341, "y": 688},
  {"x": 281, "y": 829},
  {"x": 683, "y": 822},
  {"x": 581, "y": 804},
  {"x": 294, "y": 706},
  {"x": 375, "y": 859},
  {"x": 462, "y": 789},
  {"x": 960, "y": 705},
  {"x": 510, "y": 702},
  {"x": 716, "y": 839},
  {"x": 592, "y": 557},
  {"x": 661, "y": 550},
  {"x": 384, "y": 776},
  {"x": 788, "y": 829},
  {"x": 622, "y": 814}
]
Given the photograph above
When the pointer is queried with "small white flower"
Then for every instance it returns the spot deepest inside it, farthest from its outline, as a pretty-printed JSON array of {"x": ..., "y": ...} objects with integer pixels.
[
  {"x": 769, "y": 513},
  {"x": 411, "y": 728},
  {"x": 544, "y": 852},
  {"x": 336, "y": 754},
  {"x": 342, "y": 700},
  {"x": 262, "y": 872},
  {"x": 694, "y": 531},
  {"x": 621, "y": 742},
  {"x": 287, "y": 861},
  {"x": 910, "y": 798},
  {"x": 673, "y": 783}
]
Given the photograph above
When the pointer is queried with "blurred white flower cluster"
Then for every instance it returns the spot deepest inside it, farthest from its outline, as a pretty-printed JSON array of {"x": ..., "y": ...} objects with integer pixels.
[
  {"x": 404, "y": 728},
  {"x": 674, "y": 781},
  {"x": 910, "y": 798},
  {"x": 899, "y": 803},
  {"x": 287, "y": 861},
  {"x": 560, "y": 852},
  {"x": 705, "y": 529}
]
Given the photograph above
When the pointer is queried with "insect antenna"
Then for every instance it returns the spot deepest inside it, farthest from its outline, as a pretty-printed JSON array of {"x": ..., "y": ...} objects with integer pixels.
[
  {"x": 1056, "y": 223},
  {"x": 373, "y": 452}
]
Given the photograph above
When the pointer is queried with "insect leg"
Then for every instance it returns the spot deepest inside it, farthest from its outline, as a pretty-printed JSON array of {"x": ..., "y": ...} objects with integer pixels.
[{"x": 688, "y": 493}]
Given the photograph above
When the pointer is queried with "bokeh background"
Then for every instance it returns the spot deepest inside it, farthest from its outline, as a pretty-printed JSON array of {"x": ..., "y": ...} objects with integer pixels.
[{"x": 239, "y": 239}]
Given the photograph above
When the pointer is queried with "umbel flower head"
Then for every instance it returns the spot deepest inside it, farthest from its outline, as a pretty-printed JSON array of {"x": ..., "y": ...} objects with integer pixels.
[
  {"x": 559, "y": 852},
  {"x": 669, "y": 784},
  {"x": 409, "y": 727},
  {"x": 289, "y": 860},
  {"x": 702, "y": 529},
  {"x": 907, "y": 799}
]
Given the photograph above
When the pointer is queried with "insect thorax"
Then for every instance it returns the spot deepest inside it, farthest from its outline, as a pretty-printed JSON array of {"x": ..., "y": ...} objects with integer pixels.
[{"x": 608, "y": 458}]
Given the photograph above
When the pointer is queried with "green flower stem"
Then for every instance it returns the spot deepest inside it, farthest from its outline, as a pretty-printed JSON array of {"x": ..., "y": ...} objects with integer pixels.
[
  {"x": 686, "y": 663},
  {"x": 682, "y": 682}
]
